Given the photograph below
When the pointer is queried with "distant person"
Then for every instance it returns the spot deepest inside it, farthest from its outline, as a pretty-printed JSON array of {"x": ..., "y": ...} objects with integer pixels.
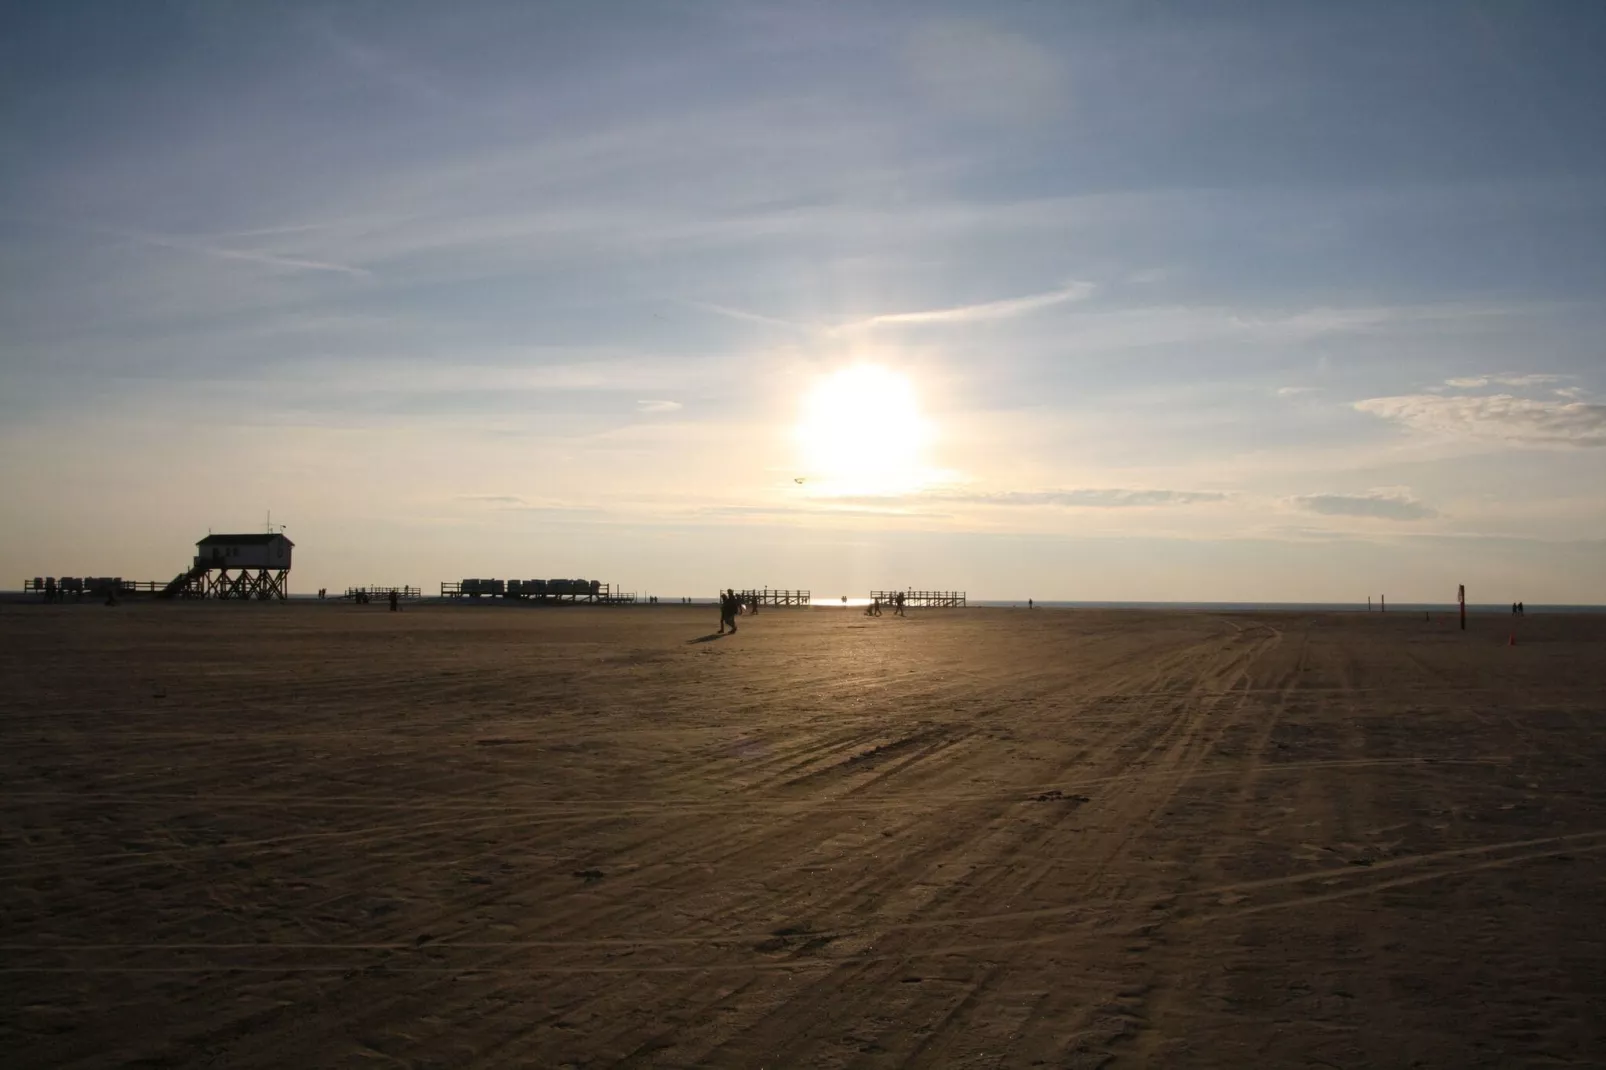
[
  {"x": 394, "y": 601},
  {"x": 1029, "y": 604},
  {"x": 1513, "y": 609},
  {"x": 727, "y": 611},
  {"x": 874, "y": 608},
  {"x": 899, "y": 602},
  {"x": 1522, "y": 609}
]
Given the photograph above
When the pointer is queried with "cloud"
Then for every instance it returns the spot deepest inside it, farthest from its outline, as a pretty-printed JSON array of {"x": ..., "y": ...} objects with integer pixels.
[
  {"x": 1083, "y": 498},
  {"x": 749, "y": 317},
  {"x": 657, "y": 406},
  {"x": 1318, "y": 322},
  {"x": 492, "y": 499},
  {"x": 1476, "y": 381},
  {"x": 854, "y": 507},
  {"x": 989, "y": 310},
  {"x": 372, "y": 62},
  {"x": 1383, "y": 503},
  {"x": 290, "y": 263},
  {"x": 1294, "y": 391},
  {"x": 1498, "y": 418}
]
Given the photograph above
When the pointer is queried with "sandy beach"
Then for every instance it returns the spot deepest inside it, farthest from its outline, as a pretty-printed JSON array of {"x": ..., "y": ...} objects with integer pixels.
[{"x": 325, "y": 835}]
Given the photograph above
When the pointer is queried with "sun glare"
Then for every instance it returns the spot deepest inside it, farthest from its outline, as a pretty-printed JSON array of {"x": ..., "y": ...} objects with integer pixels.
[{"x": 861, "y": 432}]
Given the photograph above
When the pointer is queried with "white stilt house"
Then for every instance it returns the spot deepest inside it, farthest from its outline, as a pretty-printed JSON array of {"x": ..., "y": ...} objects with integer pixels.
[{"x": 249, "y": 566}]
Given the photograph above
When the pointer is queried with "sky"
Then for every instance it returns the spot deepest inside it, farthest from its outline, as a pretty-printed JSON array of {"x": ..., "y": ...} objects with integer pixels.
[{"x": 1178, "y": 301}]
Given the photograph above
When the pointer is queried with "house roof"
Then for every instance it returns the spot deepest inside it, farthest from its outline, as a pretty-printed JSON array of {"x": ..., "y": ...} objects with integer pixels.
[{"x": 256, "y": 538}]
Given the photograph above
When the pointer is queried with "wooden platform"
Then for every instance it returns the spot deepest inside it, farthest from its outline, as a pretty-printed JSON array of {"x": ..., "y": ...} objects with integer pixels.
[{"x": 913, "y": 599}]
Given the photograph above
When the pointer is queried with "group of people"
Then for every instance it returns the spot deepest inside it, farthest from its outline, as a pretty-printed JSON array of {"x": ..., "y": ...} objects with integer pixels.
[
  {"x": 732, "y": 605},
  {"x": 1518, "y": 609},
  {"x": 874, "y": 608}
]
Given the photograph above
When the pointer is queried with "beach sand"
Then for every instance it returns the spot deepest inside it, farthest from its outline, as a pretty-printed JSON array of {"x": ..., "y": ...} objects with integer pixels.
[{"x": 324, "y": 835}]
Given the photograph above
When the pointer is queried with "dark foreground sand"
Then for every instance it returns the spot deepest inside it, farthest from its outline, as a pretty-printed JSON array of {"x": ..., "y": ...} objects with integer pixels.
[{"x": 322, "y": 836}]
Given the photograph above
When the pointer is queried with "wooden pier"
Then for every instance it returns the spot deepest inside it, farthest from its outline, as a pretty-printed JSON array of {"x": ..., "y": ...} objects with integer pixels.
[
  {"x": 551, "y": 592},
  {"x": 771, "y": 596},
  {"x": 382, "y": 593},
  {"x": 913, "y": 599},
  {"x": 94, "y": 586}
]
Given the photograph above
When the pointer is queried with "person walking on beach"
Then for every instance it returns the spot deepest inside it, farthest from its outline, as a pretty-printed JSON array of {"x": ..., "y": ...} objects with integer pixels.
[
  {"x": 394, "y": 606},
  {"x": 728, "y": 606},
  {"x": 898, "y": 612}
]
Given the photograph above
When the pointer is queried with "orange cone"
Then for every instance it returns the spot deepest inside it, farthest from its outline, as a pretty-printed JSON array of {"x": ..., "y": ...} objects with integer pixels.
[{"x": 1512, "y": 641}]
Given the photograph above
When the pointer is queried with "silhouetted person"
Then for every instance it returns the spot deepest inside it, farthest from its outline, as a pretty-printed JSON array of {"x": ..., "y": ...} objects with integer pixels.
[
  {"x": 1513, "y": 609},
  {"x": 394, "y": 602},
  {"x": 727, "y": 611},
  {"x": 1029, "y": 604},
  {"x": 1522, "y": 609},
  {"x": 899, "y": 610}
]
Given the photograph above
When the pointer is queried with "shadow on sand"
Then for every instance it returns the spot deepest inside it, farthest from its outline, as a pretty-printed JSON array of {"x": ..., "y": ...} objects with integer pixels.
[{"x": 710, "y": 637}]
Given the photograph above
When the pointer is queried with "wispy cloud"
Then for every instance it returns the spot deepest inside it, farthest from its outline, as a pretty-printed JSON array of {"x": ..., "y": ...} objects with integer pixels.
[
  {"x": 204, "y": 248},
  {"x": 388, "y": 69},
  {"x": 1081, "y": 498},
  {"x": 492, "y": 499},
  {"x": 1005, "y": 308},
  {"x": 988, "y": 310},
  {"x": 1294, "y": 391},
  {"x": 657, "y": 405},
  {"x": 1383, "y": 503},
  {"x": 841, "y": 507},
  {"x": 750, "y": 317},
  {"x": 1476, "y": 381},
  {"x": 1497, "y": 418}
]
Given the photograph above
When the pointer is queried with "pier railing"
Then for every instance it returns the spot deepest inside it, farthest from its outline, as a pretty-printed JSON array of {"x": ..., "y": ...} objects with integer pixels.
[
  {"x": 774, "y": 596},
  {"x": 565, "y": 592},
  {"x": 914, "y": 599}
]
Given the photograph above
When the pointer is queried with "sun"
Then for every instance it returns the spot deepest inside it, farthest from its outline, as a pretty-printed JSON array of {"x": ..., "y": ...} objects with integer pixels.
[{"x": 861, "y": 432}]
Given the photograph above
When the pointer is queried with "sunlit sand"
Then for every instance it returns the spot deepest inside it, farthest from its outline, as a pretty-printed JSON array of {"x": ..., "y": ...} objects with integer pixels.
[{"x": 327, "y": 835}]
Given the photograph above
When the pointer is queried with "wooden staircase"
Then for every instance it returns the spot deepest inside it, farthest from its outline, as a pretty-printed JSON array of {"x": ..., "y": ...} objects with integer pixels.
[{"x": 178, "y": 584}]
